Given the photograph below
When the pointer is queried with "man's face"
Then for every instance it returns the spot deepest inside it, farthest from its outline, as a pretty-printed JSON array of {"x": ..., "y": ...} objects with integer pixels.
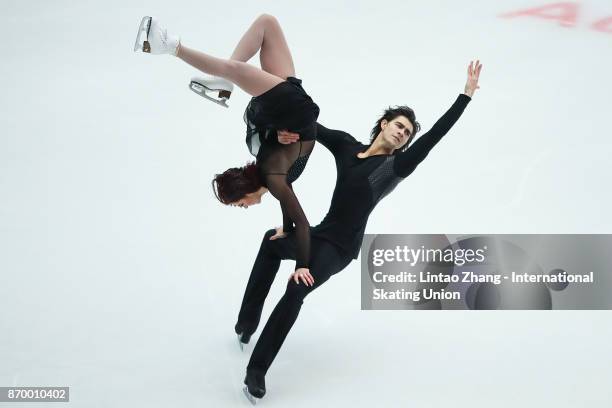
[{"x": 396, "y": 132}]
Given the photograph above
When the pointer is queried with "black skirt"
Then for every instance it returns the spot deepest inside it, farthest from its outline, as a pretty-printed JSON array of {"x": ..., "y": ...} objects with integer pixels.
[{"x": 285, "y": 106}]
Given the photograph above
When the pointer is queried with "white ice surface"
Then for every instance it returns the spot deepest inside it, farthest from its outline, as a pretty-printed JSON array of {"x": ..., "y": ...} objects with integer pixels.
[{"x": 121, "y": 276}]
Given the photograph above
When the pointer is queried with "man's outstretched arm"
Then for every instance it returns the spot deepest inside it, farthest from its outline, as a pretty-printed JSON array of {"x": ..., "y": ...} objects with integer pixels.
[{"x": 407, "y": 161}]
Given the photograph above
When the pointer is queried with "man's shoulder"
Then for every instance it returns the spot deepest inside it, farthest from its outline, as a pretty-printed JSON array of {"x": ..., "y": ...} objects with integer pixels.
[{"x": 339, "y": 134}]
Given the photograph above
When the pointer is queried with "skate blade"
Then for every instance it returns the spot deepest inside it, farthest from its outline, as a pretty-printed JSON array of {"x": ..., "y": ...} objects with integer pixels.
[
  {"x": 253, "y": 400},
  {"x": 201, "y": 90},
  {"x": 142, "y": 37},
  {"x": 240, "y": 344}
]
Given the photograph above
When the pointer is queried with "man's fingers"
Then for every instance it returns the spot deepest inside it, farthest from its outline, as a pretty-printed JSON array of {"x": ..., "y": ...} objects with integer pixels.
[
  {"x": 285, "y": 140},
  {"x": 288, "y": 139},
  {"x": 285, "y": 133}
]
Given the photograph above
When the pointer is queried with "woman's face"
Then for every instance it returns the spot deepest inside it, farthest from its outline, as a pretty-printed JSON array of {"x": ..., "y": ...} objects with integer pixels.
[
  {"x": 247, "y": 201},
  {"x": 397, "y": 131}
]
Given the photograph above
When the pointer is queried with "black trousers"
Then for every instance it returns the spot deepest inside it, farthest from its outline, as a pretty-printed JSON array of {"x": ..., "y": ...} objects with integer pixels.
[{"x": 325, "y": 260}]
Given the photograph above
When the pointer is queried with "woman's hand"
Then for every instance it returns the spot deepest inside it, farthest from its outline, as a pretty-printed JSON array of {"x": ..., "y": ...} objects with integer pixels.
[
  {"x": 472, "y": 81},
  {"x": 279, "y": 234},
  {"x": 287, "y": 137},
  {"x": 304, "y": 275}
]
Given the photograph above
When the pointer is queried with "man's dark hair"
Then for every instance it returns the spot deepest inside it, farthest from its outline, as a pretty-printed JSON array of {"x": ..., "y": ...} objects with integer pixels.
[{"x": 392, "y": 113}]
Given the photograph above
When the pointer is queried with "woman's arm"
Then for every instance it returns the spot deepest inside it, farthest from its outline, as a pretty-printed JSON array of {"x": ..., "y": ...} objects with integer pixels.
[
  {"x": 287, "y": 220},
  {"x": 292, "y": 212}
]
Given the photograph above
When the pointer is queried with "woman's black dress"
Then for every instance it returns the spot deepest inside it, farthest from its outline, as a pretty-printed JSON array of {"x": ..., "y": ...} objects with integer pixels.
[{"x": 284, "y": 107}]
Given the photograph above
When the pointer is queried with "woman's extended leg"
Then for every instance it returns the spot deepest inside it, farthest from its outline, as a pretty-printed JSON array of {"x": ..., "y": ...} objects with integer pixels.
[
  {"x": 266, "y": 36},
  {"x": 252, "y": 80}
]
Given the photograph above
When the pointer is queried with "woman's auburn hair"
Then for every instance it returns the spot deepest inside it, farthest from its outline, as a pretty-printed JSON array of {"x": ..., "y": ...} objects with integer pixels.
[{"x": 235, "y": 183}]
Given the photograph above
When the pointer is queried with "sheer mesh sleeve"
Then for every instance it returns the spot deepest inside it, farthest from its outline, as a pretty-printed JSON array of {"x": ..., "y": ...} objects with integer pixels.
[
  {"x": 407, "y": 161},
  {"x": 274, "y": 168},
  {"x": 287, "y": 221},
  {"x": 292, "y": 211}
]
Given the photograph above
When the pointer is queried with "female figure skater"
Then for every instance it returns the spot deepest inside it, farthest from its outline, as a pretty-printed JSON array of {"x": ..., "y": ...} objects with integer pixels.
[{"x": 279, "y": 103}]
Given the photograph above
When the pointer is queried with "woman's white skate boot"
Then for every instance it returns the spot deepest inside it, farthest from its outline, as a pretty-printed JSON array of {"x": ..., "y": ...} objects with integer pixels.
[
  {"x": 212, "y": 84},
  {"x": 152, "y": 38}
]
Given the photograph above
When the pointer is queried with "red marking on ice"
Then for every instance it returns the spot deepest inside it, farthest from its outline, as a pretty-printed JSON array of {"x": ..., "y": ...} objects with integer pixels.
[
  {"x": 565, "y": 13},
  {"x": 604, "y": 25}
]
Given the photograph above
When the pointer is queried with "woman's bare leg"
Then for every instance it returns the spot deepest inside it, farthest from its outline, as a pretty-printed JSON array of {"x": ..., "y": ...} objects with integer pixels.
[
  {"x": 252, "y": 80},
  {"x": 266, "y": 36}
]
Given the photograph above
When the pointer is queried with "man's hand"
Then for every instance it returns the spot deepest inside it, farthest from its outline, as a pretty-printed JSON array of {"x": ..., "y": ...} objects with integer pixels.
[
  {"x": 287, "y": 137},
  {"x": 304, "y": 275},
  {"x": 472, "y": 81},
  {"x": 279, "y": 234}
]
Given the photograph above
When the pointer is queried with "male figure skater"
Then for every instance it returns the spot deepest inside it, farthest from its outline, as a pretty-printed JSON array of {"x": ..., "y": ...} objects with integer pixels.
[{"x": 365, "y": 174}]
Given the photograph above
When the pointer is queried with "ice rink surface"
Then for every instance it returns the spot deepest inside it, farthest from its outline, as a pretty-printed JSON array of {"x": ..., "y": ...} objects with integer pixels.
[{"x": 121, "y": 276}]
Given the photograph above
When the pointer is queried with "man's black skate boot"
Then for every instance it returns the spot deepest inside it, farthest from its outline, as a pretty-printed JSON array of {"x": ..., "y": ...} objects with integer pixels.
[
  {"x": 255, "y": 385},
  {"x": 243, "y": 338}
]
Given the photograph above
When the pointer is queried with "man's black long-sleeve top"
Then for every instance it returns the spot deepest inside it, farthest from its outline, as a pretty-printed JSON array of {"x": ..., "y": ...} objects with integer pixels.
[{"x": 362, "y": 183}]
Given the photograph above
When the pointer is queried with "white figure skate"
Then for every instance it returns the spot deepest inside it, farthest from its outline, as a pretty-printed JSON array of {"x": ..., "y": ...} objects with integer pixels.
[
  {"x": 212, "y": 84},
  {"x": 152, "y": 38}
]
